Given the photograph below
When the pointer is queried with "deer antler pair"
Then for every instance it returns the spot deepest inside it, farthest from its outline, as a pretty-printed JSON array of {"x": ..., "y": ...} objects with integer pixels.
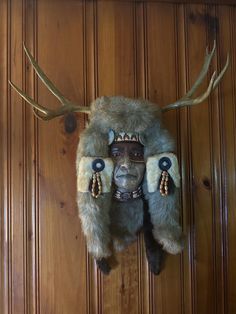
[{"x": 68, "y": 106}]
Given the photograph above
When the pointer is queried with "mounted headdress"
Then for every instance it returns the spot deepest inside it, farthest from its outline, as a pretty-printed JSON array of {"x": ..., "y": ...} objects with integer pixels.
[{"x": 120, "y": 119}]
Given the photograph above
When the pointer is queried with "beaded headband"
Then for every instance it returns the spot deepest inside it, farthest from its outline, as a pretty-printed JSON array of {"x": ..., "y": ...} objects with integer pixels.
[{"x": 124, "y": 137}]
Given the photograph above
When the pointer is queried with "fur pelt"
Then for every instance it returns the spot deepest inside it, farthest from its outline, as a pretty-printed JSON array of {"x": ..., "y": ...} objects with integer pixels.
[
  {"x": 107, "y": 224},
  {"x": 126, "y": 219},
  {"x": 164, "y": 213},
  {"x": 95, "y": 219}
]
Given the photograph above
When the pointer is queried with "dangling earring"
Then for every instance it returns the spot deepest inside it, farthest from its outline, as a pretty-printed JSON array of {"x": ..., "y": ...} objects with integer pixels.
[
  {"x": 164, "y": 165},
  {"x": 164, "y": 183},
  {"x": 98, "y": 165},
  {"x": 96, "y": 185}
]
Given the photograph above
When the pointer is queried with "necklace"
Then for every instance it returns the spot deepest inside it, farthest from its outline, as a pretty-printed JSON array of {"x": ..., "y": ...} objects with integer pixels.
[{"x": 126, "y": 196}]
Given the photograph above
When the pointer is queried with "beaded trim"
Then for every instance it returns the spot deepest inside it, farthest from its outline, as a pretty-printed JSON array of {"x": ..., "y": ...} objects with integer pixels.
[
  {"x": 124, "y": 137},
  {"x": 126, "y": 196},
  {"x": 96, "y": 185},
  {"x": 164, "y": 183}
]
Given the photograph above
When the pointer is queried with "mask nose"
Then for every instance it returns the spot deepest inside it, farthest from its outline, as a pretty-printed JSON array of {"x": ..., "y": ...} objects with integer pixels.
[{"x": 125, "y": 163}]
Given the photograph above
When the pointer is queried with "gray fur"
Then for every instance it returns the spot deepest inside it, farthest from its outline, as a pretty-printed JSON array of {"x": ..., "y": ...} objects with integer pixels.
[
  {"x": 120, "y": 113},
  {"x": 104, "y": 221},
  {"x": 126, "y": 220},
  {"x": 94, "y": 215},
  {"x": 164, "y": 212}
]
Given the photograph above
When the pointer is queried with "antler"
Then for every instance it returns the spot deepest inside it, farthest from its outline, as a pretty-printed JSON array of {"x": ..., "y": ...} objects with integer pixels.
[
  {"x": 48, "y": 114},
  {"x": 214, "y": 81}
]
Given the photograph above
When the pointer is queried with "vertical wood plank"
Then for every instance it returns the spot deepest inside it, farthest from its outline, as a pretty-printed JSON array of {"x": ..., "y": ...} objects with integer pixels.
[
  {"x": 62, "y": 253},
  {"x": 115, "y": 48},
  {"x": 200, "y": 150},
  {"x": 223, "y": 18},
  {"x": 229, "y": 210},
  {"x": 4, "y": 158},
  {"x": 216, "y": 145},
  {"x": 185, "y": 165},
  {"x": 140, "y": 50},
  {"x": 227, "y": 95},
  {"x": 17, "y": 164}
]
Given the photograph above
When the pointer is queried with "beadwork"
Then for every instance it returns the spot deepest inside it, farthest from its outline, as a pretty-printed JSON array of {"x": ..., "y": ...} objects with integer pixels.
[
  {"x": 96, "y": 185},
  {"x": 125, "y": 196},
  {"x": 164, "y": 183}
]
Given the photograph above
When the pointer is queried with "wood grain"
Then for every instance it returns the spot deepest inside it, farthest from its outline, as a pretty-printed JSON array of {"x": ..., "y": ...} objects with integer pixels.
[
  {"x": 227, "y": 36},
  {"x": 148, "y": 49},
  {"x": 203, "y": 250},
  {"x": 4, "y": 159},
  {"x": 62, "y": 253}
]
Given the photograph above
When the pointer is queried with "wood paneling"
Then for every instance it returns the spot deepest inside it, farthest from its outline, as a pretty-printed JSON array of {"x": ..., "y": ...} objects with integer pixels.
[
  {"x": 57, "y": 24},
  {"x": 149, "y": 49}
]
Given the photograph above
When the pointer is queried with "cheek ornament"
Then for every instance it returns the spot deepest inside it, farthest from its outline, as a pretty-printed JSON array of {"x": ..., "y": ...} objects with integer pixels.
[
  {"x": 164, "y": 165},
  {"x": 161, "y": 170},
  {"x": 97, "y": 165},
  {"x": 95, "y": 176}
]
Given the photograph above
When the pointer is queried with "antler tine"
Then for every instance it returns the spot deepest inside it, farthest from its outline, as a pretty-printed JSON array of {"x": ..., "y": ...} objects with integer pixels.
[
  {"x": 44, "y": 78},
  {"x": 37, "y": 115},
  {"x": 219, "y": 77},
  {"x": 203, "y": 73},
  {"x": 215, "y": 80},
  {"x": 29, "y": 100},
  {"x": 48, "y": 114},
  {"x": 190, "y": 102}
]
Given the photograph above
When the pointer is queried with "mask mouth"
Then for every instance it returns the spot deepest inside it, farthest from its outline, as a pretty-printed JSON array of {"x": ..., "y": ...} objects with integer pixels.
[{"x": 128, "y": 175}]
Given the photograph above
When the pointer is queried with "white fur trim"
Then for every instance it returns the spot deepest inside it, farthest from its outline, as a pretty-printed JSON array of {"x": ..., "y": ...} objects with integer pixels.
[
  {"x": 85, "y": 172},
  {"x": 154, "y": 172},
  {"x": 171, "y": 246}
]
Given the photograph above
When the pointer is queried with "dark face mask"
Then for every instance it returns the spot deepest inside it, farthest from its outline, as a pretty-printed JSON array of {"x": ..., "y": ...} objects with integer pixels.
[{"x": 129, "y": 165}]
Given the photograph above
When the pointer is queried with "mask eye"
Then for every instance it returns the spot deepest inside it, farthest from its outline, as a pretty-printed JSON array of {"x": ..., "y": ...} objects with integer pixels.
[
  {"x": 115, "y": 154},
  {"x": 136, "y": 155}
]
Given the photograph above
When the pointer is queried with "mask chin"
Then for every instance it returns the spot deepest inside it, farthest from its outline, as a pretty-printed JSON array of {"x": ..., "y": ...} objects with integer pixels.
[
  {"x": 125, "y": 186},
  {"x": 128, "y": 183}
]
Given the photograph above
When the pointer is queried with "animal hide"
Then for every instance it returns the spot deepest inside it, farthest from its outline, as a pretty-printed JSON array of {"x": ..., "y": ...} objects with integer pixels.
[{"x": 110, "y": 225}]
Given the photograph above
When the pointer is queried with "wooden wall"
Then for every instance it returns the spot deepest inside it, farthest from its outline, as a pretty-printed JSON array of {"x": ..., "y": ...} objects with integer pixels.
[{"x": 138, "y": 49}]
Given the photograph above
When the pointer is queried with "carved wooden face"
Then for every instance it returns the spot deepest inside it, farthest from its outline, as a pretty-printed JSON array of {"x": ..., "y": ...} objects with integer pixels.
[{"x": 129, "y": 165}]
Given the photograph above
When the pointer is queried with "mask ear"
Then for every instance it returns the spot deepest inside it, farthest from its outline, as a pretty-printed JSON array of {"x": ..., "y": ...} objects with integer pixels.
[
  {"x": 94, "y": 174},
  {"x": 161, "y": 167}
]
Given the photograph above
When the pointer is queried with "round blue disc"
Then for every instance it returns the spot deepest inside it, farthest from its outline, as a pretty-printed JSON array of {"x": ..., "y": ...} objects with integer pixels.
[
  {"x": 98, "y": 165},
  {"x": 165, "y": 163}
]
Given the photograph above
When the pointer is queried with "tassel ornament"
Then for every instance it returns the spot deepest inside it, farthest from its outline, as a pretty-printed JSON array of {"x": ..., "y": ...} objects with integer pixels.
[
  {"x": 96, "y": 185},
  {"x": 164, "y": 191}
]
